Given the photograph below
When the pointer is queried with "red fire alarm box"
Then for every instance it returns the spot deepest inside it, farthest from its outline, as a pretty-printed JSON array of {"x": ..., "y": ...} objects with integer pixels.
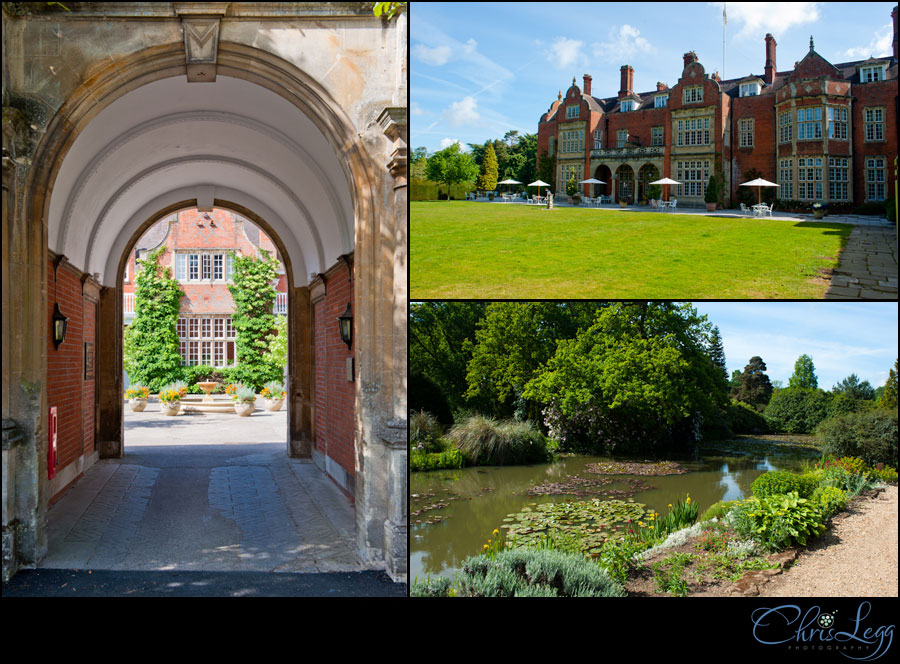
[{"x": 51, "y": 447}]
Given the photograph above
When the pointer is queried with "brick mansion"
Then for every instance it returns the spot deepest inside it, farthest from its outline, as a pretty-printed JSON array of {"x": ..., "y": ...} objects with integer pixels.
[{"x": 823, "y": 132}]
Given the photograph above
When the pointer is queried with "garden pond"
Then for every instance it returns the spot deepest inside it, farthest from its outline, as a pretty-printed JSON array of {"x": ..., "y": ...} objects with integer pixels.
[{"x": 453, "y": 512}]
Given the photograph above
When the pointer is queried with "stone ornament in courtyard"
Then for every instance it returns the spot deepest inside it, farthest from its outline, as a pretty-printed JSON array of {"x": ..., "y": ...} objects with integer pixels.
[{"x": 244, "y": 401}]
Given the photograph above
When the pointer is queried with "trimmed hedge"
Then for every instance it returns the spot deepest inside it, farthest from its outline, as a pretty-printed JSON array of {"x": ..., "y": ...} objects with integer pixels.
[{"x": 777, "y": 482}]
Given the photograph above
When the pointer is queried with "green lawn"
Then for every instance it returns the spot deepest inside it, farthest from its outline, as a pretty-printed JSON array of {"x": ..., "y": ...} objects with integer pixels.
[{"x": 473, "y": 250}]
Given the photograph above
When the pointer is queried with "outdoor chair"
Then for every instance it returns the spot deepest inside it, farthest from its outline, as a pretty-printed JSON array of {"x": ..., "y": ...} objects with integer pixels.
[
  {"x": 745, "y": 209},
  {"x": 673, "y": 203}
]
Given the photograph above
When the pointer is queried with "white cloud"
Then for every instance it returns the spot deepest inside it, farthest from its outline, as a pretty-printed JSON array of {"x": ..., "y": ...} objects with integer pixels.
[
  {"x": 757, "y": 18},
  {"x": 463, "y": 113},
  {"x": 437, "y": 56},
  {"x": 565, "y": 52},
  {"x": 880, "y": 45},
  {"x": 447, "y": 142},
  {"x": 623, "y": 42},
  {"x": 470, "y": 46},
  {"x": 415, "y": 109}
]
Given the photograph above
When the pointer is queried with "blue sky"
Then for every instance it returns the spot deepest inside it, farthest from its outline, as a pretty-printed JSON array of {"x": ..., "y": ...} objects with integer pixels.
[
  {"x": 478, "y": 70},
  {"x": 840, "y": 337}
]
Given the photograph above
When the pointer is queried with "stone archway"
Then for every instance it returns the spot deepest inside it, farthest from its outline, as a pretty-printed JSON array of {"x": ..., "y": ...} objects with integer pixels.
[{"x": 366, "y": 169}]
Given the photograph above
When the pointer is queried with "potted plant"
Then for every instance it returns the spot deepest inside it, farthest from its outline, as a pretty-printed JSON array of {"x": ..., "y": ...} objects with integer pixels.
[
  {"x": 572, "y": 191},
  {"x": 181, "y": 387},
  {"x": 244, "y": 401},
  {"x": 137, "y": 397},
  {"x": 712, "y": 194},
  {"x": 273, "y": 393},
  {"x": 818, "y": 210},
  {"x": 623, "y": 202},
  {"x": 169, "y": 400}
]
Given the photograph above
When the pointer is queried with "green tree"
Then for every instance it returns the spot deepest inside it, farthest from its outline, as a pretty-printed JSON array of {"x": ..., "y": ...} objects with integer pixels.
[
  {"x": 487, "y": 179},
  {"x": 889, "y": 395},
  {"x": 796, "y": 409},
  {"x": 253, "y": 292},
  {"x": 546, "y": 168},
  {"x": 151, "y": 349},
  {"x": 450, "y": 166},
  {"x": 277, "y": 351},
  {"x": 852, "y": 387},
  {"x": 753, "y": 385},
  {"x": 804, "y": 374},
  {"x": 638, "y": 379},
  {"x": 512, "y": 342},
  {"x": 717, "y": 351}
]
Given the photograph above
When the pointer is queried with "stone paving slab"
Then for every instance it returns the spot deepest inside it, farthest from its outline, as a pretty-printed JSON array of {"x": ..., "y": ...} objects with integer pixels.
[{"x": 868, "y": 266}]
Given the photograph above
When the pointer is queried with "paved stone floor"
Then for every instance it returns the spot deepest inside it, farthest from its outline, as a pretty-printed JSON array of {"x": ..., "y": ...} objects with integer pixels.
[
  {"x": 208, "y": 492},
  {"x": 868, "y": 266}
]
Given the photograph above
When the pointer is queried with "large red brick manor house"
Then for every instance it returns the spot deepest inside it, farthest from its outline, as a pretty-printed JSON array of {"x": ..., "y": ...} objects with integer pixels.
[{"x": 822, "y": 132}]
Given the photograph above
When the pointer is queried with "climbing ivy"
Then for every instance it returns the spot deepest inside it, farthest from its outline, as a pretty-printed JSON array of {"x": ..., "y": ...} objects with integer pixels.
[
  {"x": 151, "y": 349},
  {"x": 254, "y": 299}
]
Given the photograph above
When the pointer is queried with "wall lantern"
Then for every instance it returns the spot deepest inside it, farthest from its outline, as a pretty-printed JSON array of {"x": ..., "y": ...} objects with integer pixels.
[
  {"x": 59, "y": 320},
  {"x": 59, "y": 326},
  {"x": 345, "y": 321}
]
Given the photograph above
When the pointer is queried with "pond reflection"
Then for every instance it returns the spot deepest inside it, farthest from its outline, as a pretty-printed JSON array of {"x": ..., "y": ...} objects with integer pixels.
[{"x": 453, "y": 512}]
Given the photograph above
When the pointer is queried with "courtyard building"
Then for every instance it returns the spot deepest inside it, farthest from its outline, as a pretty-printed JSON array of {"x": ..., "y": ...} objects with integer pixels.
[
  {"x": 118, "y": 117},
  {"x": 823, "y": 132}
]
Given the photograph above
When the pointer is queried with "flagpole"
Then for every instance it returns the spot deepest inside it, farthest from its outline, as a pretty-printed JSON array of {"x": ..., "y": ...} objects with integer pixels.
[{"x": 724, "y": 23}]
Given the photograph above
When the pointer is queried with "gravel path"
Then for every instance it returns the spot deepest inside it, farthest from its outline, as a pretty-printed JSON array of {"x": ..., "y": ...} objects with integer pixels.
[{"x": 856, "y": 557}]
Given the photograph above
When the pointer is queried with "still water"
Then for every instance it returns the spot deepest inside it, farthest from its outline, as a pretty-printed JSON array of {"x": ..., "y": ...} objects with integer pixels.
[{"x": 465, "y": 505}]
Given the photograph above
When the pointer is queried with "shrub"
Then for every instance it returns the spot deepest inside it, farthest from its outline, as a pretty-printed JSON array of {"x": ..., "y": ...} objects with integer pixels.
[
  {"x": 885, "y": 474},
  {"x": 832, "y": 500},
  {"x": 869, "y": 435},
  {"x": 777, "y": 482},
  {"x": 779, "y": 520},
  {"x": 452, "y": 458},
  {"x": 796, "y": 410},
  {"x": 719, "y": 509},
  {"x": 437, "y": 586},
  {"x": 527, "y": 572},
  {"x": 712, "y": 192},
  {"x": 488, "y": 442},
  {"x": 744, "y": 418},
  {"x": 425, "y": 432}
]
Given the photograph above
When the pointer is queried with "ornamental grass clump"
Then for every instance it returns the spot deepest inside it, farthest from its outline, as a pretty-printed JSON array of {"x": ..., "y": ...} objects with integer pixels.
[
  {"x": 534, "y": 573},
  {"x": 425, "y": 432},
  {"x": 244, "y": 395},
  {"x": 272, "y": 390},
  {"x": 488, "y": 442}
]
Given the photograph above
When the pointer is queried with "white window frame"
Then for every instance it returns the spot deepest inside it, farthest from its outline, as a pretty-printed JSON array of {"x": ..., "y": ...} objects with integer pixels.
[
  {"x": 838, "y": 178},
  {"x": 694, "y": 176},
  {"x": 621, "y": 138},
  {"x": 657, "y": 135},
  {"x": 810, "y": 178},
  {"x": 661, "y": 101},
  {"x": 786, "y": 178},
  {"x": 572, "y": 111},
  {"x": 876, "y": 174},
  {"x": 692, "y": 131},
  {"x": 693, "y": 94},
  {"x": 745, "y": 132},
  {"x": 749, "y": 89},
  {"x": 626, "y": 105},
  {"x": 872, "y": 73},
  {"x": 836, "y": 120},
  {"x": 873, "y": 120},
  {"x": 598, "y": 139},
  {"x": 785, "y": 127},
  {"x": 809, "y": 128}
]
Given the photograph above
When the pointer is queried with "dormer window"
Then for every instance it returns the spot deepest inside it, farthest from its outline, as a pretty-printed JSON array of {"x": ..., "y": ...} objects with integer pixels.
[
  {"x": 571, "y": 112},
  {"x": 660, "y": 101},
  {"x": 627, "y": 105},
  {"x": 872, "y": 73},
  {"x": 749, "y": 89}
]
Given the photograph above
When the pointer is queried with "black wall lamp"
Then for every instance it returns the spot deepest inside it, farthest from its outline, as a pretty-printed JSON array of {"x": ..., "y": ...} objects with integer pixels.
[
  {"x": 59, "y": 320},
  {"x": 345, "y": 321}
]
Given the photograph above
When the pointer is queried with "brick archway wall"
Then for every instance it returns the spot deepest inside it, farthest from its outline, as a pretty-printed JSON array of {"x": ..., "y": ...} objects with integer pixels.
[{"x": 379, "y": 413}]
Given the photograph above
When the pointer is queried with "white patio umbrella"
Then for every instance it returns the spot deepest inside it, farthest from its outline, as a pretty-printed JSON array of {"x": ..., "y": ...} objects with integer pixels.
[
  {"x": 665, "y": 182},
  {"x": 592, "y": 181},
  {"x": 539, "y": 184},
  {"x": 509, "y": 182},
  {"x": 759, "y": 182}
]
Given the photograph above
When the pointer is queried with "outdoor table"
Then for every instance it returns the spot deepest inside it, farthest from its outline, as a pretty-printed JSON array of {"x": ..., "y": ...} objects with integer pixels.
[{"x": 758, "y": 209}]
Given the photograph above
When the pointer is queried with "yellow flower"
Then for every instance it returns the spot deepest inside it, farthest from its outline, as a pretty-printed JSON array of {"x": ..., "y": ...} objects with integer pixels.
[
  {"x": 688, "y": 500},
  {"x": 496, "y": 532},
  {"x": 670, "y": 504}
]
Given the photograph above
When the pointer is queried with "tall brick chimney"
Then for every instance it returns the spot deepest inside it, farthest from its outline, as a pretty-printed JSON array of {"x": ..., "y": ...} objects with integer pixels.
[
  {"x": 627, "y": 85},
  {"x": 587, "y": 84},
  {"x": 894, "y": 16},
  {"x": 769, "y": 76},
  {"x": 689, "y": 57}
]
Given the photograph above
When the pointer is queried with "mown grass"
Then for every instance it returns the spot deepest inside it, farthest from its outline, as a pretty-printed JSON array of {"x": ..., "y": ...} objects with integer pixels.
[{"x": 462, "y": 249}]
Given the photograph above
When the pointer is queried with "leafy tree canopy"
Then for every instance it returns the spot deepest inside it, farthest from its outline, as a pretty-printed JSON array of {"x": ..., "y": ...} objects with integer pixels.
[
  {"x": 450, "y": 166},
  {"x": 804, "y": 374}
]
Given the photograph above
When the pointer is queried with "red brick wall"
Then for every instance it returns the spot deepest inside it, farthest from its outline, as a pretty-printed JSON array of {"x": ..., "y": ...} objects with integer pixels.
[
  {"x": 66, "y": 388},
  {"x": 335, "y": 395}
]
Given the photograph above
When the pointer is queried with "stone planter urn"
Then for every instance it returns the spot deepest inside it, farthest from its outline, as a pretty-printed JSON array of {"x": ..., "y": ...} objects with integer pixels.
[
  {"x": 623, "y": 204},
  {"x": 244, "y": 408},
  {"x": 170, "y": 407},
  {"x": 711, "y": 207},
  {"x": 274, "y": 405},
  {"x": 818, "y": 214},
  {"x": 137, "y": 405}
]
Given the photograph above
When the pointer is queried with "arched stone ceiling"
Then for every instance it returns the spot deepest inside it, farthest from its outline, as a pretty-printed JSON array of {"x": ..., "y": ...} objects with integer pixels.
[{"x": 171, "y": 141}]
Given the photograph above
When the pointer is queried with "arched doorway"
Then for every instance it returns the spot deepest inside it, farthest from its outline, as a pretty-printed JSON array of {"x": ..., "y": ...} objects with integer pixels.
[
  {"x": 646, "y": 175},
  {"x": 625, "y": 183},
  {"x": 135, "y": 138},
  {"x": 603, "y": 174}
]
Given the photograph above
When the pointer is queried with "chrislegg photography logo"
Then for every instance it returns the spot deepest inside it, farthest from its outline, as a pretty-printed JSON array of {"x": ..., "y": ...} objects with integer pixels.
[{"x": 853, "y": 631}]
